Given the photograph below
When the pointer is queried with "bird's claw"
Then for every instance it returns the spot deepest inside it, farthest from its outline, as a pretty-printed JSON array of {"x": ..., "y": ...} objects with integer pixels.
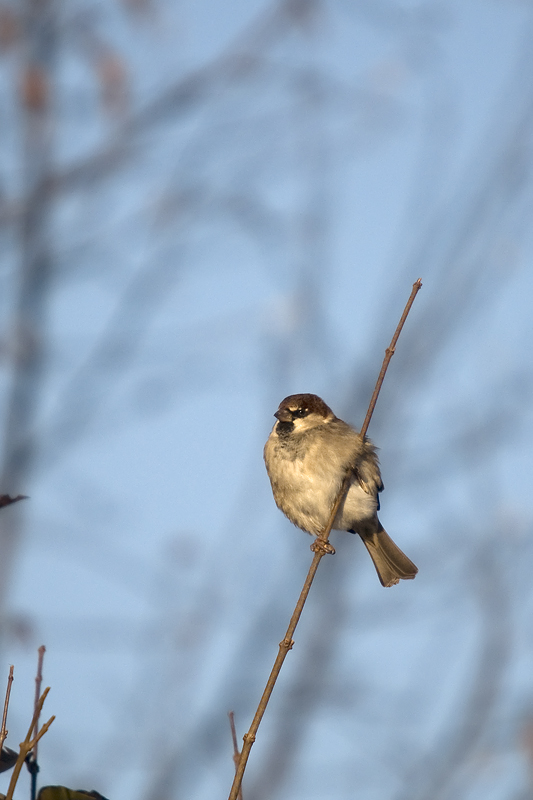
[{"x": 320, "y": 546}]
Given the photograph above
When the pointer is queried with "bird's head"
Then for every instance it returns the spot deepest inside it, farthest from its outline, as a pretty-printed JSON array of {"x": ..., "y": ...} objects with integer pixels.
[{"x": 299, "y": 412}]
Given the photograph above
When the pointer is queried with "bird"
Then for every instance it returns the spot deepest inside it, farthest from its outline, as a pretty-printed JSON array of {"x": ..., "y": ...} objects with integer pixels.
[{"x": 307, "y": 456}]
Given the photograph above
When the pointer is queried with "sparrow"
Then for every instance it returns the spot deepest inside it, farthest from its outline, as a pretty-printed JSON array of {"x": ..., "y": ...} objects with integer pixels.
[{"x": 307, "y": 456}]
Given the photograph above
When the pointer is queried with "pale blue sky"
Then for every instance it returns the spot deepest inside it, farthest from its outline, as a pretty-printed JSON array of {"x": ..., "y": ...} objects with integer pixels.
[{"x": 252, "y": 246}]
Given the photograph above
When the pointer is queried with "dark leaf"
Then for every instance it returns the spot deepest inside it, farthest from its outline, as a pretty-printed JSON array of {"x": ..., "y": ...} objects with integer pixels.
[
  {"x": 8, "y": 759},
  {"x": 6, "y": 500},
  {"x": 62, "y": 793}
]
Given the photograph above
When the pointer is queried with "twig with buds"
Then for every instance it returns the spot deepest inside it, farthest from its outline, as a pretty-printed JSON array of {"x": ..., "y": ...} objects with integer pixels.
[
  {"x": 3, "y": 729},
  {"x": 236, "y": 751},
  {"x": 320, "y": 547},
  {"x": 389, "y": 352},
  {"x": 31, "y": 761},
  {"x": 29, "y": 743}
]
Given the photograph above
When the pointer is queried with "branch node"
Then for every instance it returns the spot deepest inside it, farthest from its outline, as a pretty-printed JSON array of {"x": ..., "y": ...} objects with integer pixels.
[
  {"x": 248, "y": 737},
  {"x": 288, "y": 644}
]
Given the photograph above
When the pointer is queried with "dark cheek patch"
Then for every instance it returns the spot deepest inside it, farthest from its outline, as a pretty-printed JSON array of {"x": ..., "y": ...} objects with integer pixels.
[{"x": 284, "y": 428}]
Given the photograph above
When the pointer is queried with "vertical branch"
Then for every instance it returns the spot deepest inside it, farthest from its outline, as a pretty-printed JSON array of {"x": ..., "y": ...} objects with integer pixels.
[
  {"x": 28, "y": 325},
  {"x": 38, "y": 682},
  {"x": 3, "y": 729},
  {"x": 31, "y": 761},
  {"x": 236, "y": 751},
  {"x": 389, "y": 352}
]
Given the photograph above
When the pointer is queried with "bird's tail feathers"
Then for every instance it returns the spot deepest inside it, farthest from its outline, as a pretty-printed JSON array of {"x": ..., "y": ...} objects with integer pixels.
[{"x": 390, "y": 562}]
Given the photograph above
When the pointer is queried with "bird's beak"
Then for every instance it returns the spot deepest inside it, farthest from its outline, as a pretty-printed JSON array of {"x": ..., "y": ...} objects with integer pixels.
[{"x": 283, "y": 414}]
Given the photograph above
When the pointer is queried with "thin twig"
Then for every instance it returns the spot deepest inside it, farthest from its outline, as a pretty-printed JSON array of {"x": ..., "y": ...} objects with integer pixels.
[
  {"x": 31, "y": 761},
  {"x": 236, "y": 751},
  {"x": 28, "y": 744},
  {"x": 389, "y": 352},
  {"x": 38, "y": 682},
  {"x": 320, "y": 547},
  {"x": 3, "y": 729}
]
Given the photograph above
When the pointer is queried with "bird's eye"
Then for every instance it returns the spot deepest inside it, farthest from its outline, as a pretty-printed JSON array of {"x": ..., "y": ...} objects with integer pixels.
[{"x": 300, "y": 412}]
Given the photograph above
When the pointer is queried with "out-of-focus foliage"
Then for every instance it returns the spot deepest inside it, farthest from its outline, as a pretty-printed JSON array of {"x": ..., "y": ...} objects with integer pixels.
[{"x": 62, "y": 793}]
